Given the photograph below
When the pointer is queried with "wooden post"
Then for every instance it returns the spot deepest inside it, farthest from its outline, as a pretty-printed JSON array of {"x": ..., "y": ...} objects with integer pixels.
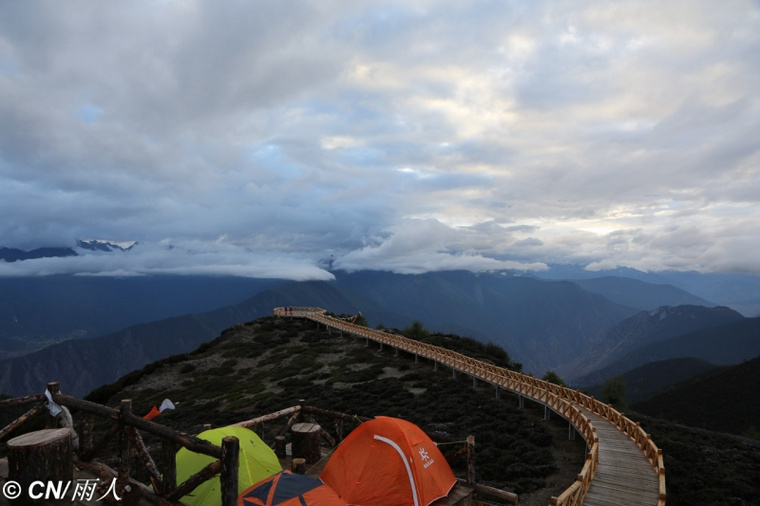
[
  {"x": 229, "y": 474},
  {"x": 45, "y": 456},
  {"x": 298, "y": 466},
  {"x": 306, "y": 441},
  {"x": 169, "y": 463},
  {"x": 87, "y": 427},
  {"x": 470, "y": 468},
  {"x": 138, "y": 446},
  {"x": 125, "y": 408},
  {"x": 279, "y": 446},
  {"x": 54, "y": 388}
]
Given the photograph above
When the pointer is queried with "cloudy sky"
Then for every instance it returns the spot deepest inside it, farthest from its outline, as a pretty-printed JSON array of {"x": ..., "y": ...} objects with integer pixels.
[{"x": 261, "y": 138}]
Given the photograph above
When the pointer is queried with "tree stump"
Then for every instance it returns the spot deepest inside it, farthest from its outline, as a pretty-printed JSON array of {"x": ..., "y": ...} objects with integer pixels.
[
  {"x": 306, "y": 441},
  {"x": 298, "y": 466},
  {"x": 44, "y": 455}
]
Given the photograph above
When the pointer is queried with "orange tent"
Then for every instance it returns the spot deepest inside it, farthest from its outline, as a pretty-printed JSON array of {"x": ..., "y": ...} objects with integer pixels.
[{"x": 388, "y": 461}]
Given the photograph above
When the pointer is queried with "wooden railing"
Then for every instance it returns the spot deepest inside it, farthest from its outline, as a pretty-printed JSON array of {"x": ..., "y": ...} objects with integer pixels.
[
  {"x": 562, "y": 400},
  {"x": 163, "y": 481},
  {"x": 164, "y": 490}
]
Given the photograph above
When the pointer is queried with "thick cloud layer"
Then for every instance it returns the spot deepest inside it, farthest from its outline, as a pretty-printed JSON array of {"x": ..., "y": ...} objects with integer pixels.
[{"x": 411, "y": 136}]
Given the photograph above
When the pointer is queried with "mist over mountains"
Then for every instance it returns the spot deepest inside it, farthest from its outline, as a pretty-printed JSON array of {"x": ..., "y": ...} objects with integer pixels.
[{"x": 575, "y": 328}]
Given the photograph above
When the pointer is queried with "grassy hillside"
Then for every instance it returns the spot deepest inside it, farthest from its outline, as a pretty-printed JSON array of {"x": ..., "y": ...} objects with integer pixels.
[{"x": 269, "y": 364}]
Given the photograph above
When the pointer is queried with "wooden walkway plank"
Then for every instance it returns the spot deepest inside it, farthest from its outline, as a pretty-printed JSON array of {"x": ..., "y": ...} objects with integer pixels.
[{"x": 624, "y": 476}]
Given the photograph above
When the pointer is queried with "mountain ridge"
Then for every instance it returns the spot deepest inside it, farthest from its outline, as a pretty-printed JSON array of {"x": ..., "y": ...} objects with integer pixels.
[
  {"x": 640, "y": 330},
  {"x": 726, "y": 344}
]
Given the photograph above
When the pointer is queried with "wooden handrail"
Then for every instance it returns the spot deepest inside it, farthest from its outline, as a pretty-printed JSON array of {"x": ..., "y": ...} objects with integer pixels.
[
  {"x": 227, "y": 454},
  {"x": 561, "y": 399}
]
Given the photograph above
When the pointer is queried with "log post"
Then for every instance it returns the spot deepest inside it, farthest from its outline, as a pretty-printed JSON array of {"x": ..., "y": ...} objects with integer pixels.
[
  {"x": 306, "y": 441},
  {"x": 279, "y": 446},
  {"x": 470, "y": 467},
  {"x": 298, "y": 466},
  {"x": 169, "y": 463},
  {"x": 86, "y": 428},
  {"x": 141, "y": 452},
  {"x": 125, "y": 408},
  {"x": 53, "y": 387},
  {"x": 45, "y": 456},
  {"x": 229, "y": 475}
]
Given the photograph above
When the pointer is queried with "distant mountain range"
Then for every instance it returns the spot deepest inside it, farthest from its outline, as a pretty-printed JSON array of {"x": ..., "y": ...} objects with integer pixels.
[
  {"x": 40, "y": 311},
  {"x": 737, "y": 291},
  {"x": 101, "y": 245},
  {"x": 730, "y": 343},
  {"x": 15, "y": 255},
  {"x": 544, "y": 324},
  {"x": 608, "y": 357}
]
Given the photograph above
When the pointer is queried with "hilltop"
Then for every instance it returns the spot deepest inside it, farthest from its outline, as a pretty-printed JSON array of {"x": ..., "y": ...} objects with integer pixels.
[{"x": 269, "y": 364}]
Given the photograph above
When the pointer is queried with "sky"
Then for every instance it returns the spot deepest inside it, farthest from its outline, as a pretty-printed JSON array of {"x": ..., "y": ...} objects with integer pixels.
[{"x": 279, "y": 138}]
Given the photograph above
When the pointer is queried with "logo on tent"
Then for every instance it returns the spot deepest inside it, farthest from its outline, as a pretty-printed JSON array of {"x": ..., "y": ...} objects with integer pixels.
[{"x": 425, "y": 458}]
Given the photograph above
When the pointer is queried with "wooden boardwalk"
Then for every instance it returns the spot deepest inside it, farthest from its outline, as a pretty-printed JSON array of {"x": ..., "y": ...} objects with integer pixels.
[
  {"x": 623, "y": 476},
  {"x": 624, "y": 467}
]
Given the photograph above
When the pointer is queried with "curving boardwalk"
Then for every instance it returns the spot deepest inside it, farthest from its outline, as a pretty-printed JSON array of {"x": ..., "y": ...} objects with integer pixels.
[
  {"x": 623, "y": 476},
  {"x": 623, "y": 466}
]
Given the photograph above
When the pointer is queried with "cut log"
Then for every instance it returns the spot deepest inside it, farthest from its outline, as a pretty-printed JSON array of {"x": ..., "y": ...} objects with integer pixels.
[
  {"x": 306, "y": 441},
  {"x": 44, "y": 455},
  {"x": 298, "y": 466}
]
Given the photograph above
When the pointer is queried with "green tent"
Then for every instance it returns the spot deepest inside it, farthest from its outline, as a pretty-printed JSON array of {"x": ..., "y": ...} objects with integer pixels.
[{"x": 257, "y": 462}]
